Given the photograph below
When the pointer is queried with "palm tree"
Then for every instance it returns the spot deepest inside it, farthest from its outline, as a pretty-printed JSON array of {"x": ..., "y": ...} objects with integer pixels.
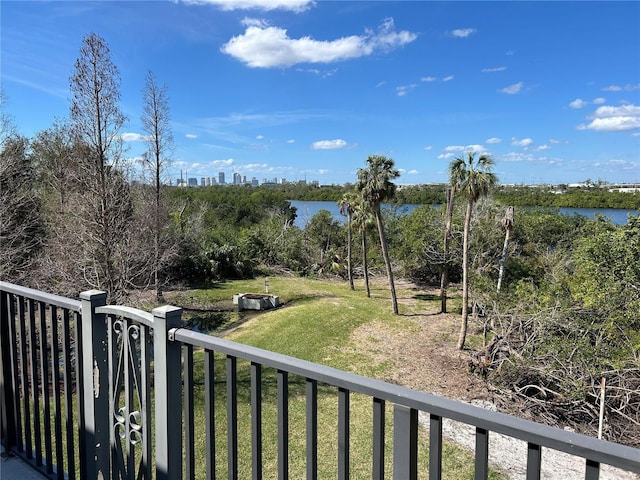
[
  {"x": 363, "y": 219},
  {"x": 347, "y": 206},
  {"x": 472, "y": 179},
  {"x": 507, "y": 225},
  {"x": 444, "y": 278},
  {"x": 375, "y": 186}
]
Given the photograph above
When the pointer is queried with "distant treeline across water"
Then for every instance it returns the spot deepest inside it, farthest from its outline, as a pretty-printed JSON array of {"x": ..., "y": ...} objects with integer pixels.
[{"x": 307, "y": 209}]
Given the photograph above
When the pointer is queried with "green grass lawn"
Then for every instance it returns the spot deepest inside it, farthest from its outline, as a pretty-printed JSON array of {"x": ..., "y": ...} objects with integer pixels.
[{"x": 316, "y": 323}]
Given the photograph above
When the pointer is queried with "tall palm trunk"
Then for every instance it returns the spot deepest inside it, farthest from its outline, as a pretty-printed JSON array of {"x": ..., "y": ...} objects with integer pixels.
[
  {"x": 387, "y": 261},
  {"x": 365, "y": 265},
  {"x": 465, "y": 276},
  {"x": 444, "y": 278},
  {"x": 349, "y": 241}
]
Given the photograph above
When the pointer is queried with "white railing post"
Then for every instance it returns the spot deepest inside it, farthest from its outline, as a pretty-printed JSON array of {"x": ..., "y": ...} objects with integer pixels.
[
  {"x": 95, "y": 387},
  {"x": 168, "y": 393}
]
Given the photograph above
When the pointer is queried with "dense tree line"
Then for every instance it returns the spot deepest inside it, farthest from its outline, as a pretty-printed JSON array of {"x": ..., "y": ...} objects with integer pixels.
[
  {"x": 562, "y": 196},
  {"x": 592, "y": 196}
]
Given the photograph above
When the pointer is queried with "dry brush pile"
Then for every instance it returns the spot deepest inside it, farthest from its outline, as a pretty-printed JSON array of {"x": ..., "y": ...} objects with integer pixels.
[{"x": 550, "y": 369}]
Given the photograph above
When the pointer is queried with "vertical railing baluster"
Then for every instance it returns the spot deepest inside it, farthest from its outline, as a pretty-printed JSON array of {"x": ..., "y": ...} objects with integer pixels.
[
  {"x": 534, "y": 461},
  {"x": 343, "y": 434},
  {"x": 131, "y": 366},
  {"x": 312, "y": 428},
  {"x": 189, "y": 435},
  {"x": 232, "y": 417},
  {"x": 145, "y": 397},
  {"x": 210, "y": 413},
  {"x": 482, "y": 454},
  {"x": 14, "y": 325},
  {"x": 44, "y": 380},
  {"x": 435, "y": 447},
  {"x": 129, "y": 408},
  {"x": 55, "y": 383},
  {"x": 168, "y": 397},
  {"x": 405, "y": 443},
  {"x": 68, "y": 390},
  {"x": 81, "y": 428},
  {"x": 7, "y": 387},
  {"x": 256, "y": 421},
  {"x": 283, "y": 424},
  {"x": 592, "y": 470},
  {"x": 95, "y": 388},
  {"x": 378, "y": 438},
  {"x": 35, "y": 382},
  {"x": 24, "y": 378},
  {"x": 116, "y": 349}
]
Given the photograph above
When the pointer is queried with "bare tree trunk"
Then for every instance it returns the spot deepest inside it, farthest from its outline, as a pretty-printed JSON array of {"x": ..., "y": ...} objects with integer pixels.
[
  {"x": 387, "y": 261},
  {"x": 507, "y": 224},
  {"x": 156, "y": 124},
  {"x": 465, "y": 277},
  {"x": 444, "y": 279}
]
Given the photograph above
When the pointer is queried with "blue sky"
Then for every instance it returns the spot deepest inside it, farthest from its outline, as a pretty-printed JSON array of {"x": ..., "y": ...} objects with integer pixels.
[{"x": 308, "y": 90}]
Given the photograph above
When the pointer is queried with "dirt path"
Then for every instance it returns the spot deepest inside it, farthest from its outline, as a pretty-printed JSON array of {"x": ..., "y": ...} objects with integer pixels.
[{"x": 428, "y": 361}]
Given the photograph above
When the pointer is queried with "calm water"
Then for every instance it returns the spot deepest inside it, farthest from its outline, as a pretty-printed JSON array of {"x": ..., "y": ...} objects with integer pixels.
[{"x": 306, "y": 210}]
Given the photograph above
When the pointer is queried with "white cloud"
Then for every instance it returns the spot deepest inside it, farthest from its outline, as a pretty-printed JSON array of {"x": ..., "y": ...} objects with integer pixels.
[
  {"x": 198, "y": 168},
  {"x": 428, "y": 148},
  {"x": 222, "y": 163},
  {"x": 512, "y": 89},
  {"x": 463, "y": 32},
  {"x": 448, "y": 78},
  {"x": 262, "y": 46},
  {"x": 493, "y": 140},
  {"x": 191, "y": 135},
  {"x": 428, "y": 79},
  {"x": 253, "y": 167},
  {"x": 456, "y": 150},
  {"x": 291, "y": 140},
  {"x": 259, "y": 137},
  {"x": 542, "y": 148},
  {"x": 578, "y": 103},
  {"x": 525, "y": 142},
  {"x": 133, "y": 137},
  {"x": 616, "y": 88},
  {"x": 493, "y": 69},
  {"x": 329, "y": 144},
  {"x": 404, "y": 89},
  {"x": 380, "y": 84},
  {"x": 613, "y": 124},
  {"x": 616, "y": 165},
  {"x": 266, "y": 5},
  {"x": 614, "y": 119},
  {"x": 529, "y": 158},
  {"x": 412, "y": 172}
]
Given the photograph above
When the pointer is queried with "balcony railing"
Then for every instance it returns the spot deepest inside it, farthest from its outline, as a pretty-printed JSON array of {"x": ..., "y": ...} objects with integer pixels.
[{"x": 94, "y": 391}]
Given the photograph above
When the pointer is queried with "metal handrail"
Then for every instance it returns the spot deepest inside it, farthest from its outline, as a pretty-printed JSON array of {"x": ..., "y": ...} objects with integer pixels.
[
  {"x": 37, "y": 295},
  {"x": 576, "y": 444}
]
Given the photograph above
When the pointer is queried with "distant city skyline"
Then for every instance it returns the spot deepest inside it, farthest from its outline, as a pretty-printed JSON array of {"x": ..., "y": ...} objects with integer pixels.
[{"x": 307, "y": 89}]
